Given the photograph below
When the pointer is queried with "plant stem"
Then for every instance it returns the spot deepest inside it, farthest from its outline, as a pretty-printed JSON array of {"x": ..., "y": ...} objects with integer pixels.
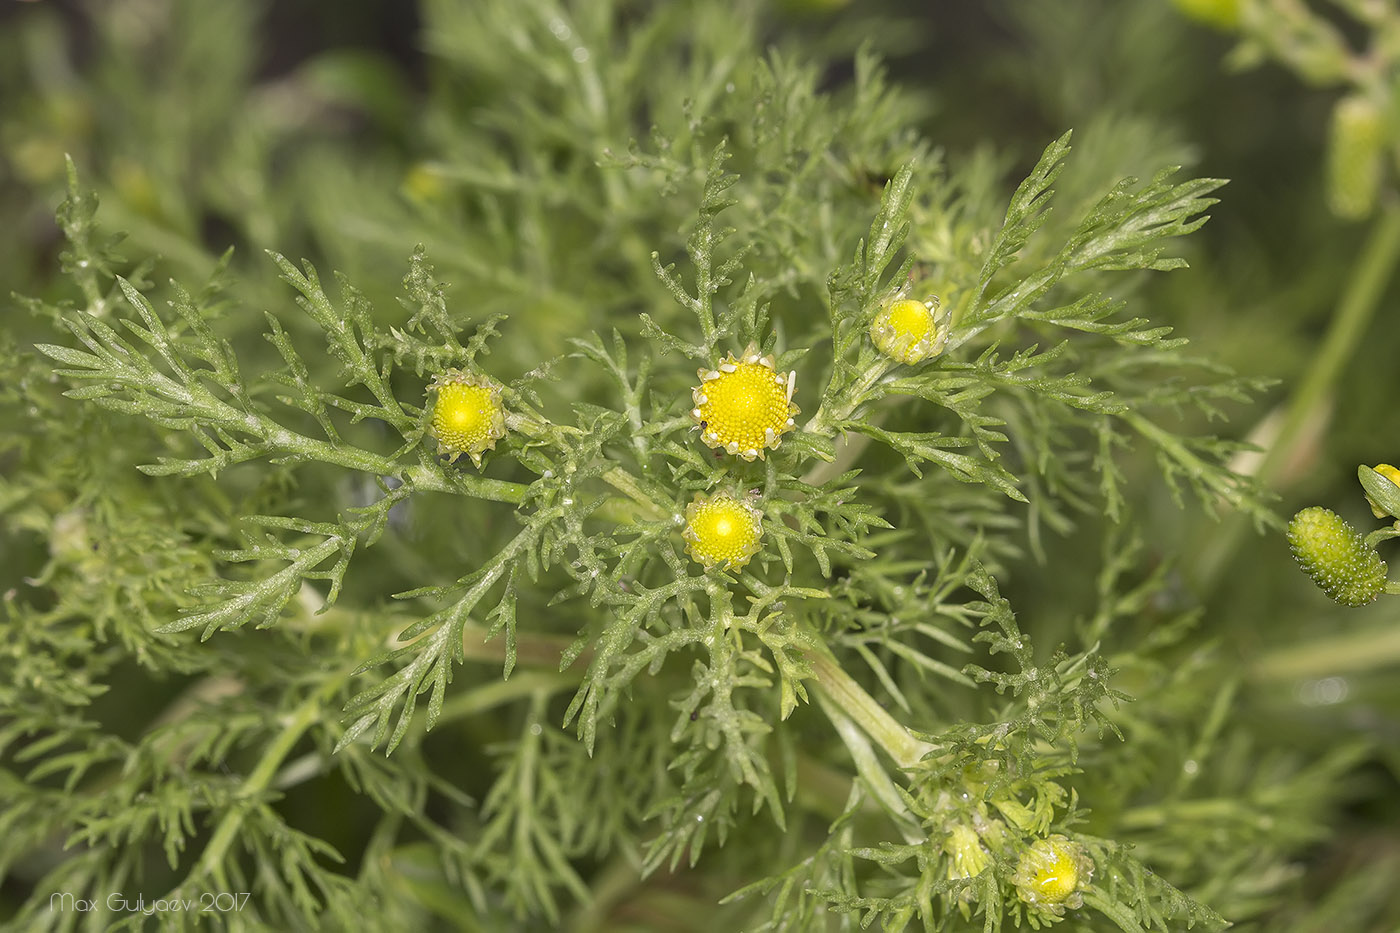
[
  {"x": 820, "y": 423},
  {"x": 625, "y": 483},
  {"x": 1365, "y": 287},
  {"x": 210, "y": 863},
  {"x": 850, "y": 698},
  {"x": 537, "y": 650},
  {"x": 497, "y": 490},
  {"x": 1325, "y": 657},
  {"x": 871, "y": 771}
]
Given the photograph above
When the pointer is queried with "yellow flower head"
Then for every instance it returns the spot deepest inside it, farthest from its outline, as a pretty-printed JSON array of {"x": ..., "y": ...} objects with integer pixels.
[
  {"x": 721, "y": 528},
  {"x": 910, "y": 331},
  {"x": 744, "y": 405},
  {"x": 468, "y": 417},
  {"x": 1390, "y": 473},
  {"x": 1052, "y": 873}
]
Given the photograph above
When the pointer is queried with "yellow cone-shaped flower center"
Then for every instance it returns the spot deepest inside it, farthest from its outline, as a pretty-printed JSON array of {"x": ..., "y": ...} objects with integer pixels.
[
  {"x": 467, "y": 416},
  {"x": 911, "y": 319},
  {"x": 463, "y": 414},
  {"x": 909, "y": 331},
  {"x": 1052, "y": 872},
  {"x": 744, "y": 406},
  {"x": 722, "y": 529},
  {"x": 1056, "y": 878}
]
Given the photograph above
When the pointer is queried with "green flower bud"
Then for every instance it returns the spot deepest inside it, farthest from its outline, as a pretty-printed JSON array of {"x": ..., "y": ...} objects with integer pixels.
[
  {"x": 1355, "y": 150},
  {"x": 1221, "y": 14},
  {"x": 1382, "y": 486},
  {"x": 1336, "y": 557},
  {"x": 965, "y": 851}
]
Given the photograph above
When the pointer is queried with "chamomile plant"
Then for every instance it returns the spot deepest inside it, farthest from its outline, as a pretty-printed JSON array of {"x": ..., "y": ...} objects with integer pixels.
[{"x": 750, "y": 627}]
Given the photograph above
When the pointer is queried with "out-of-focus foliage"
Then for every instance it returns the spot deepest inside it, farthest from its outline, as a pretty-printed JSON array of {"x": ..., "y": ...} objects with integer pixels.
[{"x": 1018, "y": 629}]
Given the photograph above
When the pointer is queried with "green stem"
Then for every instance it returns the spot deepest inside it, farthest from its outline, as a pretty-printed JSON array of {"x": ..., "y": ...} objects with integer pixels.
[
  {"x": 480, "y": 487},
  {"x": 877, "y": 780},
  {"x": 535, "y": 650},
  {"x": 820, "y": 422},
  {"x": 1210, "y": 811},
  {"x": 848, "y": 451},
  {"x": 501, "y": 692},
  {"x": 1326, "y": 657},
  {"x": 852, "y": 700},
  {"x": 211, "y": 862},
  {"x": 625, "y": 483},
  {"x": 1365, "y": 288}
]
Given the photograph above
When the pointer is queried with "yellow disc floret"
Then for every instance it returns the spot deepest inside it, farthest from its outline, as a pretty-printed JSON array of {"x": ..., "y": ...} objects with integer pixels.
[
  {"x": 1052, "y": 873},
  {"x": 722, "y": 528},
  {"x": 910, "y": 331},
  {"x": 468, "y": 417},
  {"x": 744, "y": 405}
]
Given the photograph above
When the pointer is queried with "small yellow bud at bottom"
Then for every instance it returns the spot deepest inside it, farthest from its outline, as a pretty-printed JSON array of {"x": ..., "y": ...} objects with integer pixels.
[{"x": 1052, "y": 874}]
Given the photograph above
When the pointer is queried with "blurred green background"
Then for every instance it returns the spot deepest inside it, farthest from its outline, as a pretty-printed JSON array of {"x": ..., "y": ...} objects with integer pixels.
[{"x": 205, "y": 125}]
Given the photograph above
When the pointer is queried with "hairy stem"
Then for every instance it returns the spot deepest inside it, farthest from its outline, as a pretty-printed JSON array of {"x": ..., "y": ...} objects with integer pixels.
[{"x": 480, "y": 487}]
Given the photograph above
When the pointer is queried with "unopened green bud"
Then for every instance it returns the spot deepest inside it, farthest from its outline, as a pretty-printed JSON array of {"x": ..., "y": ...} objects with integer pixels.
[
  {"x": 1222, "y": 14},
  {"x": 1336, "y": 557},
  {"x": 1355, "y": 157},
  {"x": 964, "y": 849}
]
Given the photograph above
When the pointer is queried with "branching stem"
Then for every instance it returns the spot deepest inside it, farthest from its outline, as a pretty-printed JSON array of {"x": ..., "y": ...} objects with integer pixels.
[{"x": 306, "y": 715}]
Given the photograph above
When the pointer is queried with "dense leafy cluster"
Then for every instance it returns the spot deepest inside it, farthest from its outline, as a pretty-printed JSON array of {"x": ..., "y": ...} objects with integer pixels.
[{"x": 753, "y": 632}]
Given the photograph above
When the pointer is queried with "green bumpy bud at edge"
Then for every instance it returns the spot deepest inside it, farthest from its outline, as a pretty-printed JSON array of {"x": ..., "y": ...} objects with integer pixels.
[
  {"x": 1222, "y": 14},
  {"x": 1355, "y": 157},
  {"x": 1336, "y": 557}
]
